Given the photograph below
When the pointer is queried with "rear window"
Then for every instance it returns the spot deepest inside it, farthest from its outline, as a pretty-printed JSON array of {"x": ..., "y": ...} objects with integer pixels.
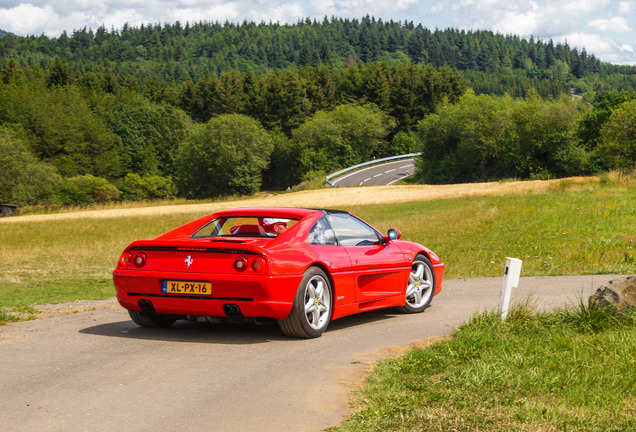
[{"x": 241, "y": 226}]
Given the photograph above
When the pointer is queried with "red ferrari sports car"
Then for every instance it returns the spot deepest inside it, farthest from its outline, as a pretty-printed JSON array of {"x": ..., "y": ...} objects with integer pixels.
[{"x": 301, "y": 267}]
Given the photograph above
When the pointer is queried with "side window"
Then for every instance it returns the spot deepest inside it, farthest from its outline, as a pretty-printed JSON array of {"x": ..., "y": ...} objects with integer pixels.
[
  {"x": 322, "y": 234},
  {"x": 352, "y": 232}
]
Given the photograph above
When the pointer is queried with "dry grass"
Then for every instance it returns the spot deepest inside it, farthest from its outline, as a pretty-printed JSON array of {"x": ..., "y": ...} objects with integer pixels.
[{"x": 333, "y": 198}]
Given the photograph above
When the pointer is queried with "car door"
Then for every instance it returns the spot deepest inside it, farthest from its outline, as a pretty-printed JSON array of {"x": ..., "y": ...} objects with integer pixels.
[
  {"x": 336, "y": 258},
  {"x": 379, "y": 269}
]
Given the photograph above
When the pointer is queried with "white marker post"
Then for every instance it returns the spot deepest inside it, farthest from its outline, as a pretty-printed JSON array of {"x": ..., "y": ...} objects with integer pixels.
[{"x": 512, "y": 273}]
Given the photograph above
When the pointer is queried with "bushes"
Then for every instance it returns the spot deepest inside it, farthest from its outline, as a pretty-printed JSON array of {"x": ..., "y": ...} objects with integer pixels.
[
  {"x": 137, "y": 188},
  {"x": 83, "y": 190},
  {"x": 87, "y": 189}
]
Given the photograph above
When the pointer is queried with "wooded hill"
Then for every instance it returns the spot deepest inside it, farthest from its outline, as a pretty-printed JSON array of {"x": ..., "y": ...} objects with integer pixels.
[
  {"x": 210, "y": 109},
  {"x": 174, "y": 53}
]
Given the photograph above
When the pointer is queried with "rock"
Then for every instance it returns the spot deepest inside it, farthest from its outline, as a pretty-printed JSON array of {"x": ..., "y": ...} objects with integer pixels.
[{"x": 620, "y": 292}]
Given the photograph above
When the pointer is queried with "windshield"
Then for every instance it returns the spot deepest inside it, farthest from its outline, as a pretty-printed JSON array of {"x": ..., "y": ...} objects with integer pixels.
[{"x": 245, "y": 226}]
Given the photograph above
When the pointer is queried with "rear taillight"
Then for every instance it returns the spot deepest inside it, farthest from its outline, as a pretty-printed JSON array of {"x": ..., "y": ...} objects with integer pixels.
[
  {"x": 258, "y": 264},
  {"x": 140, "y": 260},
  {"x": 240, "y": 264},
  {"x": 125, "y": 259}
]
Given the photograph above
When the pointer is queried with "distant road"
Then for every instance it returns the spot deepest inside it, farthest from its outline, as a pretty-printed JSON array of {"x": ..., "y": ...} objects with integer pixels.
[{"x": 377, "y": 175}]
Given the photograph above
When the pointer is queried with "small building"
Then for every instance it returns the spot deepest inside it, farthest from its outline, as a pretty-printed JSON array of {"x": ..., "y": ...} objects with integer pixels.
[{"x": 8, "y": 210}]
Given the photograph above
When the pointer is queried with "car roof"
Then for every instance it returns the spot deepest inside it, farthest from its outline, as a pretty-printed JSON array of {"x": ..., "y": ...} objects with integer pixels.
[{"x": 282, "y": 212}]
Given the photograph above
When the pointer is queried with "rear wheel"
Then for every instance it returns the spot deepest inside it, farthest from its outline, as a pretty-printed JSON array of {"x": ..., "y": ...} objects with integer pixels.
[
  {"x": 151, "y": 319},
  {"x": 421, "y": 285},
  {"x": 312, "y": 308}
]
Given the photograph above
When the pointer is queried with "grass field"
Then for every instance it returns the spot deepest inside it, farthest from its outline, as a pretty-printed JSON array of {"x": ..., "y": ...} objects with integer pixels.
[
  {"x": 565, "y": 228},
  {"x": 566, "y": 370}
]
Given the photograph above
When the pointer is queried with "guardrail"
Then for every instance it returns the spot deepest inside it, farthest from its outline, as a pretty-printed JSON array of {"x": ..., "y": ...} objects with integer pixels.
[{"x": 373, "y": 162}]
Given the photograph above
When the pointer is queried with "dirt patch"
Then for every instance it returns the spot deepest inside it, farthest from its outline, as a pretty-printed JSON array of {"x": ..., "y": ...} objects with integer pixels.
[
  {"x": 333, "y": 198},
  {"x": 59, "y": 309}
]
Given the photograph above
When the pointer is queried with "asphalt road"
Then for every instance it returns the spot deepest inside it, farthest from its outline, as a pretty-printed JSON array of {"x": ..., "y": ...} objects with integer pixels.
[
  {"x": 377, "y": 175},
  {"x": 96, "y": 370}
]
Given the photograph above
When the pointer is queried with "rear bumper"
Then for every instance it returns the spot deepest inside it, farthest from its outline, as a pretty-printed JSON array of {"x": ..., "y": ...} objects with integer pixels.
[{"x": 256, "y": 296}]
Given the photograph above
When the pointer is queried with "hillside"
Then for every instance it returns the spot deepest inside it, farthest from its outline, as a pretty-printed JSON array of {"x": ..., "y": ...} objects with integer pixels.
[
  {"x": 207, "y": 110},
  {"x": 161, "y": 54}
]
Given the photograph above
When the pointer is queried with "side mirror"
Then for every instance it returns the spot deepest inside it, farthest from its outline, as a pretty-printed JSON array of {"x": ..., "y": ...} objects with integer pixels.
[{"x": 394, "y": 234}]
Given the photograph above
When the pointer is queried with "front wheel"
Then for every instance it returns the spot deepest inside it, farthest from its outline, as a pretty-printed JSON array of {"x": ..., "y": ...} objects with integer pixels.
[
  {"x": 312, "y": 308},
  {"x": 421, "y": 285},
  {"x": 151, "y": 319}
]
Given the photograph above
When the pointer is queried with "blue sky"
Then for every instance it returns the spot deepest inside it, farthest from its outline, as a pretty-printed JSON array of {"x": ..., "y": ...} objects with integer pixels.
[{"x": 605, "y": 28}]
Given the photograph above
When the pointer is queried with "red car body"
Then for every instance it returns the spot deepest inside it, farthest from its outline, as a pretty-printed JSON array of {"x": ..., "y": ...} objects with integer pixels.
[{"x": 207, "y": 268}]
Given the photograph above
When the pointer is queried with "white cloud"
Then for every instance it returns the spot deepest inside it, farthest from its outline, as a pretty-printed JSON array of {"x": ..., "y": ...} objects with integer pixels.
[
  {"x": 360, "y": 8},
  {"x": 518, "y": 22},
  {"x": 283, "y": 13},
  {"x": 117, "y": 19},
  {"x": 22, "y": 19},
  {"x": 196, "y": 13},
  {"x": 625, "y": 7},
  {"x": 440, "y": 7},
  {"x": 606, "y": 49},
  {"x": 614, "y": 24}
]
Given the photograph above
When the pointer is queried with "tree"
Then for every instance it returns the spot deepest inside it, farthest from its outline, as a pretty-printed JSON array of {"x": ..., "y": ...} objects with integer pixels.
[
  {"x": 62, "y": 128},
  {"x": 224, "y": 156},
  {"x": 488, "y": 137},
  {"x": 618, "y": 137},
  {"x": 345, "y": 136},
  {"x": 546, "y": 132},
  {"x": 592, "y": 123},
  {"x": 284, "y": 169},
  {"x": 402, "y": 143},
  {"x": 58, "y": 74},
  {"x": 150, "y": 133},
  {"x": 23, "y": 178},
  {"x": 468, "y": 141}
]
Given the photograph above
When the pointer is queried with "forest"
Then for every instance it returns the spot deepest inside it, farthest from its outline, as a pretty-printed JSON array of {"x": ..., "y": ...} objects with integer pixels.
[{"x": 210, "y": 109}]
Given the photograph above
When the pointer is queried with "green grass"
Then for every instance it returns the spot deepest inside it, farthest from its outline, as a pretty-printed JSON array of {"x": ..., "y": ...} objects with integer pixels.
[
  {"x": 69, "y": 259},
  {"x": 533, "y": 372},
  {"x": 561, "y": 233}
]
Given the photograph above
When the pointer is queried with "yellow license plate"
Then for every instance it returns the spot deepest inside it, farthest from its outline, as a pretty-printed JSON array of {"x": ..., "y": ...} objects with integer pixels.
[{"x": 186, "y": 288}]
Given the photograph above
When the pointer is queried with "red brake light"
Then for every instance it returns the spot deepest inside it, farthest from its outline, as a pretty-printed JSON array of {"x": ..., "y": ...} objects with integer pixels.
[
  {"x": 240, "y": 264},
  {"x": 258, "y": 264},
  {"x": 140, "y": 259},
  {"x": 125, "y": 259}
]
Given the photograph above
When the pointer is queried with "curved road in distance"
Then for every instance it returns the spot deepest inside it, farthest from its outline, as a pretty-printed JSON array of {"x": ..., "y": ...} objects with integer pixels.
[
  {"x": 96, "y": 370},
  {"x": 377, "y": 175}
]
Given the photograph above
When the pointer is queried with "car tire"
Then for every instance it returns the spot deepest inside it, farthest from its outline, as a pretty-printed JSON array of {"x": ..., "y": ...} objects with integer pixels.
[
  {"x": 420, "y": 287},
  {"x": 312, "y": 307},
  {"x": 151, "y": 319}
]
